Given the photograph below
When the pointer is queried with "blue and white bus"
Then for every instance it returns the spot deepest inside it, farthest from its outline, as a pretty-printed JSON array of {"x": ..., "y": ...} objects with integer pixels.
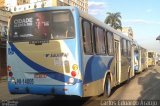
[
  {"x": 140, "y": 59},
  {"x": 64, "y": 51}
]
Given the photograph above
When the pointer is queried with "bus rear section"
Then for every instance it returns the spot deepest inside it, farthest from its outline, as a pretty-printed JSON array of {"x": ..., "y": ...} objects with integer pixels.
[{"x": 42, "y": 54}]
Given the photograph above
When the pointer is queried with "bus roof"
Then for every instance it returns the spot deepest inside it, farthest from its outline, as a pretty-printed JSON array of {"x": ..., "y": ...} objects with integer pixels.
[
  {"x": 82, "y": 14},
  {"x": 43, "y": 9}
]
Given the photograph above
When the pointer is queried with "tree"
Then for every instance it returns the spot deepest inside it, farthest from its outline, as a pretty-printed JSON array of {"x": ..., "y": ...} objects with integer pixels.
[{"x": 114, "y": 20}]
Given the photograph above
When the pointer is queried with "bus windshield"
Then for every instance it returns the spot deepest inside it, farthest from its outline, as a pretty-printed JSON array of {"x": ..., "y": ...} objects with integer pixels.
[{"x": 42, "y": 26}]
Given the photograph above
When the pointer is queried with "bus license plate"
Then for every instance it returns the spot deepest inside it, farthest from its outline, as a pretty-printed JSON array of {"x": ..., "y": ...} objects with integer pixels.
[{"x": 25, "y": 81}]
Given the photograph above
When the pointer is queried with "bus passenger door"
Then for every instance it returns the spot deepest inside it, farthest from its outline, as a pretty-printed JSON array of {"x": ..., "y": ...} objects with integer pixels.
[{"x": 117, "y": 61}]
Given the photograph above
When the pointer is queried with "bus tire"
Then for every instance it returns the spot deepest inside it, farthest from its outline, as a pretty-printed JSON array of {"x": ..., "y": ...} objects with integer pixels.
[{"x": 107, "y": 87}]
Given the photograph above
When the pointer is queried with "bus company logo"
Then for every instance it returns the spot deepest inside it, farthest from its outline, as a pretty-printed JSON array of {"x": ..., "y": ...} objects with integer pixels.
[
  {"x": 10, "y": 51},
  {"x": 38, "y": 41},
  {"x": 49, "y": 55}
]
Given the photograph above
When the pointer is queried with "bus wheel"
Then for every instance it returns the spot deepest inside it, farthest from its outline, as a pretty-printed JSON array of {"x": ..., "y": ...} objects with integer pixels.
[{"x": 107, "y": 87}]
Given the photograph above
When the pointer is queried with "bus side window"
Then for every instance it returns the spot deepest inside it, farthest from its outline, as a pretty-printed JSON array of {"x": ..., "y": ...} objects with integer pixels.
[
  {"x": 129, "y": 48},
  {"x": 99, "y": 40},
  {"x": 124, "y": 47},
  {"x": 87, "y": 40},
  {"x": 110, "y": 43}
]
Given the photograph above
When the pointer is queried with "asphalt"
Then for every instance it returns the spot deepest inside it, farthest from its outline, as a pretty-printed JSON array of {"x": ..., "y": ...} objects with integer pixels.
[{"x": 144, "y": 86}]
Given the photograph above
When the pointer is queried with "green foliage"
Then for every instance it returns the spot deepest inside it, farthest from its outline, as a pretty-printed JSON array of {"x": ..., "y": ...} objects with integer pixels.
[{"x": 114, "y": 20}]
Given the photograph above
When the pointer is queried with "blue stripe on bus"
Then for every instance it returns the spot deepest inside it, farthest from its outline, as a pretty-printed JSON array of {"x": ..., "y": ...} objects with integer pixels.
[
  {"x": 41, "y": 69},
  {"x": 95, "y": 69}
]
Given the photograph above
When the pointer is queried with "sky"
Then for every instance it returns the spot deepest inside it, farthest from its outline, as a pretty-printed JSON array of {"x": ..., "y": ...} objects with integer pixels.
[{"x": 143, "y": 16}]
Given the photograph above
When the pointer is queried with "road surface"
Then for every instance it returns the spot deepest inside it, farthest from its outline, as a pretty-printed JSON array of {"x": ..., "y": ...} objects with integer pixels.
[{"x": 144, "y": 86}]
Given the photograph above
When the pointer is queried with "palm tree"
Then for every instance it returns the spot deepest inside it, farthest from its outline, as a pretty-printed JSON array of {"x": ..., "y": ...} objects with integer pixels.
[{"x": 114, "y": 20}]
